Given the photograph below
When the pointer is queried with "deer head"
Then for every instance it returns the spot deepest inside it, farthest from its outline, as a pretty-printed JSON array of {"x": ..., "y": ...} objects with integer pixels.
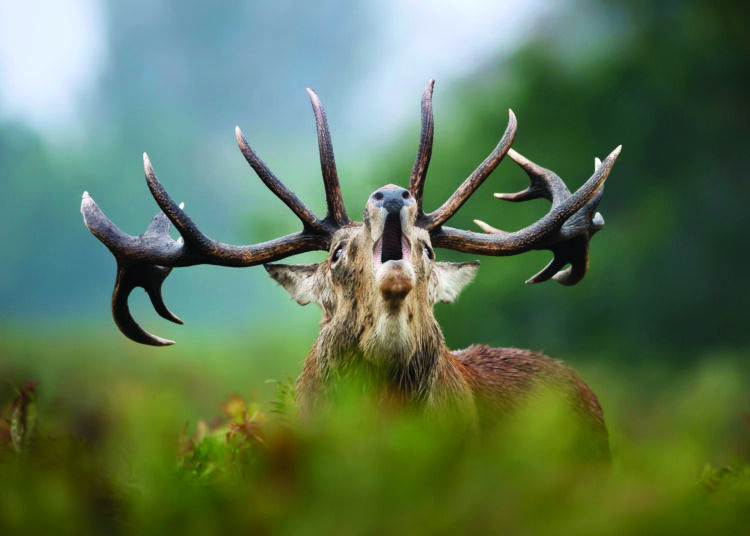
[{"x": 378, "y": 285}]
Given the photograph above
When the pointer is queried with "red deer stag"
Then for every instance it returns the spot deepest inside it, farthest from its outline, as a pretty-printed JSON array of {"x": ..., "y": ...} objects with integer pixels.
[{"x": 380, "y": 281}]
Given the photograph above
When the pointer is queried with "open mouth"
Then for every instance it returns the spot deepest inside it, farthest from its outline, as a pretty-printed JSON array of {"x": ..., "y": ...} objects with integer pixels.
[{"x": 393, "y": 245}]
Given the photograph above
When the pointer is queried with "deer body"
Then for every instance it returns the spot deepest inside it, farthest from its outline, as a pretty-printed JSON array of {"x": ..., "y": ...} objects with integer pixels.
[
  {"x": 483, "y": 385},
  {"x": 380, "y": 281},
  {"x": 376, "y": 291}
]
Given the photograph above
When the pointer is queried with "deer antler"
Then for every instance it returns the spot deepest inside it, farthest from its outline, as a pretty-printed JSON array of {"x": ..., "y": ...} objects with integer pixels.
[
  {"x": 565, "y": 230},
  {"x": 435, "y": 219},
  {"x": 147, "y": 259},
  {"x": 334, "y": 200},
  {"x": 419, "y": 171},
  {"x": 573, "y": 245}
]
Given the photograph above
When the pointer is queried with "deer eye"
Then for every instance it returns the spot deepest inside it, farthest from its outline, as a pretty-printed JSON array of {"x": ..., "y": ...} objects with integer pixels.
[
  {"x": 428, "y": 251},
  {"x": 338, "y": 252}
]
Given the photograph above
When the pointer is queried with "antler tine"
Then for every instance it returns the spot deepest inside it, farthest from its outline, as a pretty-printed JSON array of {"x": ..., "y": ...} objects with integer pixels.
[
  {"x": 574, "y": 250},
  {"x": 436, "y": 219},
  {"x": 182, "y": 222},
  {"x": 565, "y": 230},
  {"x": 150, "y": 277},
  {"x": 100, "y": 225},
  {"x": 334, "y": 199},
  {"x": 300, "y": 210},
  {"x": 130, "y": 273},
  {"x": 147, "y": 259},
  {"x": 426, "y": 136},
  {"x": 544, "y": 183}
]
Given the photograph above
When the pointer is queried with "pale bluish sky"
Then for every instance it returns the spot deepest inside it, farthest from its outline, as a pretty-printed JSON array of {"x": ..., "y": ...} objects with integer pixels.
[
  {"x": 52, "y": 53},
  {"x": 441, "y": 39}
]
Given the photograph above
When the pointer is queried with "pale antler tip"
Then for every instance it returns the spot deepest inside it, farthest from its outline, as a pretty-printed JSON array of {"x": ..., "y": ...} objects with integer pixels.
[
  {"x": 512, "y": 121},
  {"x": 182, "y": 205},
  {"x": 427, "y": 95},
  {"x": 241, "y": 141},
  {"x": 486, "y": 227},
  {"x": 314, "y": 99},
  {"x": 613, "y": 155},
  {"x": 597, "y": 163},
  {"x": 146, "y": 161},
  {"x": 598, "y": 220},
  {"x": 86, "y": 204}
]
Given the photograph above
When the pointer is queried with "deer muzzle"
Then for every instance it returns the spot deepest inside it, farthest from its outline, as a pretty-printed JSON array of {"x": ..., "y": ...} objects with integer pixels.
[{"x": 391, "y": 255}]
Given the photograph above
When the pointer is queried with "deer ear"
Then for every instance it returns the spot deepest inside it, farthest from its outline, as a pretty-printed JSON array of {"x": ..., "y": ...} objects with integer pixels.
[
  {"x": 449, "y": 279},
  {"x": 297, "y": 279}
]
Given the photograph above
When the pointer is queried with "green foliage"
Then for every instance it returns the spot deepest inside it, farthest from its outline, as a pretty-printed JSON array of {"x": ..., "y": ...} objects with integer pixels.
[
  {"x": 24, "y": 417},
  {"x": 125, "y": 461},
  {"x": 283, "y": 405}
]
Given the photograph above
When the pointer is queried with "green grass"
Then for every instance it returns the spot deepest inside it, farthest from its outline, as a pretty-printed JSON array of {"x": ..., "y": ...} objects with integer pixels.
[{"x": 198, "y": 442}]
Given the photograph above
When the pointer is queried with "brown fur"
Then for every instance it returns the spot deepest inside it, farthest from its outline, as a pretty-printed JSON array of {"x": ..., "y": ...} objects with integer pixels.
[{"x": 378, "y": 325}]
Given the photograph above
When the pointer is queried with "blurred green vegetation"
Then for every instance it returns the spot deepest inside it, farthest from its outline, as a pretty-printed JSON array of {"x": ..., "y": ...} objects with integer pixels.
[
  {"x": 658, "y": 328},
  {"x": 113, "y": 456}
]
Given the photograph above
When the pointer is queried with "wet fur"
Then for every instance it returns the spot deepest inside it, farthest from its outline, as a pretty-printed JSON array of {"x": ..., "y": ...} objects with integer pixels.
[{"x": 395, "y": 345}]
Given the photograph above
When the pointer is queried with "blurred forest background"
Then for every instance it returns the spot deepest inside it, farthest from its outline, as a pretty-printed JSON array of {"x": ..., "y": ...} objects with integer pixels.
[
  {"x": 668, "y": 81},
  {"x": 666, "y": 292}
]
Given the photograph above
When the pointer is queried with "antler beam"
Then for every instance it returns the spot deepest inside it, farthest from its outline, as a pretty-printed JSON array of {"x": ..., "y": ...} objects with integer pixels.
[{"x": 147, "y": 259}]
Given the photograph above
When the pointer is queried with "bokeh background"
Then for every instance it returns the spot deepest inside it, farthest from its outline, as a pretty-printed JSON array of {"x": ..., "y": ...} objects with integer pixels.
[{"x": 86, "y": 86}]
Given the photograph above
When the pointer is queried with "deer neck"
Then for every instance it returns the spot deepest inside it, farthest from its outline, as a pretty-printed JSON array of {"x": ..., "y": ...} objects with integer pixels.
[{"x": 401, "y": 356}]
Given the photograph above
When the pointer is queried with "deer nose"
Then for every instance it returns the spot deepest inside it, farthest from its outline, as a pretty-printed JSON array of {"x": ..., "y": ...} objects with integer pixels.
[{"x": 392, "y": 199}]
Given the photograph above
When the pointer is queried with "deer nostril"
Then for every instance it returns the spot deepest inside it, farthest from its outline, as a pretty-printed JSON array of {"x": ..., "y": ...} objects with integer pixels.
[
  {"x": 405, "y": 194},
  {"x": 377, "y": 196}
]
